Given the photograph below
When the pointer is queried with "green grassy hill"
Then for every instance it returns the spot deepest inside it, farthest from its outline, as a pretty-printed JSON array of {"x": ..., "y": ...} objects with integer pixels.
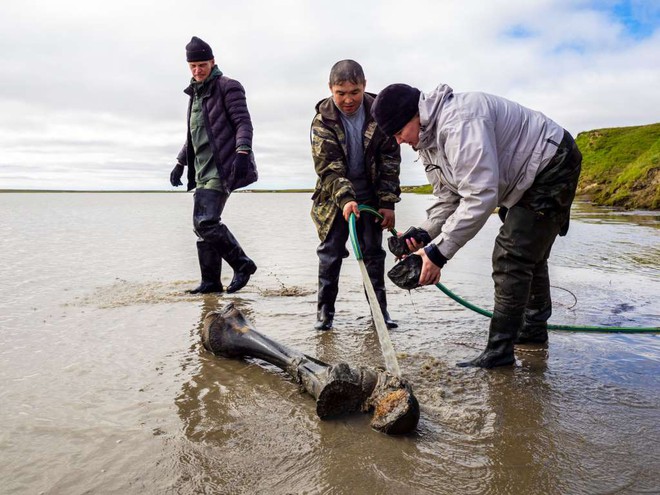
[{"x": 621, "y": 166}]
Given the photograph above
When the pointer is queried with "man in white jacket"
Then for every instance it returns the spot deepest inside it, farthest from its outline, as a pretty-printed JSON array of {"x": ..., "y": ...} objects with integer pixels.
[{"x": 482, "y": 151}]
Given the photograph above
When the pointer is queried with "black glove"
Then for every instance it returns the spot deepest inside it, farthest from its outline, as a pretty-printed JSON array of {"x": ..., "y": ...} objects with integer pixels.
[
  {"x": 405, "y": 273},
  {"x": 397, "y": 244},
  {"x": 241, "y": 164},
  {"x": 175, "y": 175}
]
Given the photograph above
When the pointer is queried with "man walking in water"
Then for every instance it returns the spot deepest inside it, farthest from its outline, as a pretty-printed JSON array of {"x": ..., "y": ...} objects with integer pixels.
[
  {"x": 355, "y": 163},
  {"x": 218, "y": 154}
]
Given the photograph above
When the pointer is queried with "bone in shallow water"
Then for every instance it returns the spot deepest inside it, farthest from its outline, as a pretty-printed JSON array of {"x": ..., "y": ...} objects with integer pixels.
[{"x": 338, "y": 388}]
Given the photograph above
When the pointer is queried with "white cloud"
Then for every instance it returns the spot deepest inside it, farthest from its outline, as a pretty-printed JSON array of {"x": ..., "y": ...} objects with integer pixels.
[{"x": 91, "y": 92}]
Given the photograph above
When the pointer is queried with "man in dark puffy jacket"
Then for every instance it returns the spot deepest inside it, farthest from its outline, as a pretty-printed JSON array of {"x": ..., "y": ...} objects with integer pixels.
[
  {"x": 355, "y": 163},
  {"x": 218, "y": 154}
]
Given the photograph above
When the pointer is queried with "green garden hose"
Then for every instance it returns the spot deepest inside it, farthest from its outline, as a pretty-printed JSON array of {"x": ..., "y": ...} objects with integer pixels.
[{"x": 476, "y": 309}]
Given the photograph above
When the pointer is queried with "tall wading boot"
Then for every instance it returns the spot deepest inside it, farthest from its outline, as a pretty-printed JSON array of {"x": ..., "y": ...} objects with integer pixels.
[
  {"x": 327, "y": 295},
  {"x": 324, "y": 317},
  {"x": 538, "y": 310},
  {"x": 533, "y": 332},
  {"x": 233, "y": 254},
  {"x": 499, "y": 350},
  {"x": 382, "y": 301},
  {"x": 210, "y": 267},
  {"x": 207, "y": 224},
  {"x": 329, "y": 269},
  {"x": 376, "y": 269}
]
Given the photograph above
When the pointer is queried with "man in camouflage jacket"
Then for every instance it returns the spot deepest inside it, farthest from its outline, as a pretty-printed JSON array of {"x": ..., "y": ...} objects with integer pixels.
[{"x": 355, "y": 163}]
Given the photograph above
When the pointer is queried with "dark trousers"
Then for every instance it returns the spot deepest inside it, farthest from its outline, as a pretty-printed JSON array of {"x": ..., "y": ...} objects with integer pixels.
[
  {"x": 215, "y": 240},
  {"x": 333, "y": 249},
  {"x": 522, "y": 247}
]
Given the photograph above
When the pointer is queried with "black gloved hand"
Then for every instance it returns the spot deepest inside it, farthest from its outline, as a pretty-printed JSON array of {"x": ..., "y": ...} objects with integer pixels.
[
  {"x": 176, "y": 174},
  {"x": 241, "y": 164},
  {"x": 406, "y": 273},
  {"x": 397, "y": 244}
]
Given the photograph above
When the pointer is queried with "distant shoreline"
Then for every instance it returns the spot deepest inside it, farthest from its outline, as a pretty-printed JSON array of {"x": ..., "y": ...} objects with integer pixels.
[
  {"x": 426, "y": 189},
  {"x": 620, "y": 168}
]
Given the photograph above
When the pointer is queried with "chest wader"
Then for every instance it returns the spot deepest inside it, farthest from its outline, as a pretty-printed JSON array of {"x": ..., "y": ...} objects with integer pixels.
[
  {"x": 331, "y": 252},
  {"x": 520, "y": 258},
  {"x": 215, "y": 243}
]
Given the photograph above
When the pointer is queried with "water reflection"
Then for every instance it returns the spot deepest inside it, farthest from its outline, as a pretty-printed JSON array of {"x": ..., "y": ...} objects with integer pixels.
[
  {"x": 249, "y": 417},
  {"x": 523, "y": 457},
  {"x": 586, "y": 211},
  {"x": 208, "y": 416}
]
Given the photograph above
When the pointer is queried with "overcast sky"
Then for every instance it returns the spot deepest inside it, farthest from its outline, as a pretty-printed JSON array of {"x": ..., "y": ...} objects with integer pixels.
[{"x": 91, "y": 91}]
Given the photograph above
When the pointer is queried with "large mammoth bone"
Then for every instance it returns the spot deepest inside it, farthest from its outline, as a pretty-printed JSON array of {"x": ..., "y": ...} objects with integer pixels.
[{"x": 338, "y": 388}]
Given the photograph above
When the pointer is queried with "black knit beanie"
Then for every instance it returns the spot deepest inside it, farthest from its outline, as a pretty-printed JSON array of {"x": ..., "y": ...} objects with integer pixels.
[
  {"x": 394, "y": 107},
  {"x": 198, "y": 50}
]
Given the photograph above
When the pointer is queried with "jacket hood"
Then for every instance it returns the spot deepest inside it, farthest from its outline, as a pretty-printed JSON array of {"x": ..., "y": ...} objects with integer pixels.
[
  {"x": 430, "y": 105},
  {"x": 329, "y": 111}
]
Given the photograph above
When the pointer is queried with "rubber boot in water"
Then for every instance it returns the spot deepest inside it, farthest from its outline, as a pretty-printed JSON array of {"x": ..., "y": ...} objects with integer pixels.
[
  {"x": 233, "y": 253},
  {"x": 538, "y": 310},
  {"x": 210, "y": 266},
  {"x": 328, "y": 288},
  {"x": 382, "y": 302},
  {"x": 376, "y": 270},
  {"x": 499, "y": 350},
  {"x": 324, "y": 317},
  {"x": 533, "y": 334},
  {"x": 242, "y": 277}
]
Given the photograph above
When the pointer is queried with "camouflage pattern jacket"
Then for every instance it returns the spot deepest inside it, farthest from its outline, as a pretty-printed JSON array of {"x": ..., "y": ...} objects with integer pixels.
[{"x": 382, "y": 158}]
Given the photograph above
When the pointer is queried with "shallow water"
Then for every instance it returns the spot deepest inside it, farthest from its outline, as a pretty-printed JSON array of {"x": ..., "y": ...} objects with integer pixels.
[{"x": 106, "y": 388}]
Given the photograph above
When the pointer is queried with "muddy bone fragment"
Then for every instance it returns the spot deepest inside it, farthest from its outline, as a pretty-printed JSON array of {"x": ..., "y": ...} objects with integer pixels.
[{"x": 338, "y": 388}]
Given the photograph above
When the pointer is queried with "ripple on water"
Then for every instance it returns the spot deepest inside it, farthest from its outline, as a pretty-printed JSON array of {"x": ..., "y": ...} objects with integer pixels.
[
  {"x": 448, "y": 397},
  {"x": 123, "y": 293}
]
